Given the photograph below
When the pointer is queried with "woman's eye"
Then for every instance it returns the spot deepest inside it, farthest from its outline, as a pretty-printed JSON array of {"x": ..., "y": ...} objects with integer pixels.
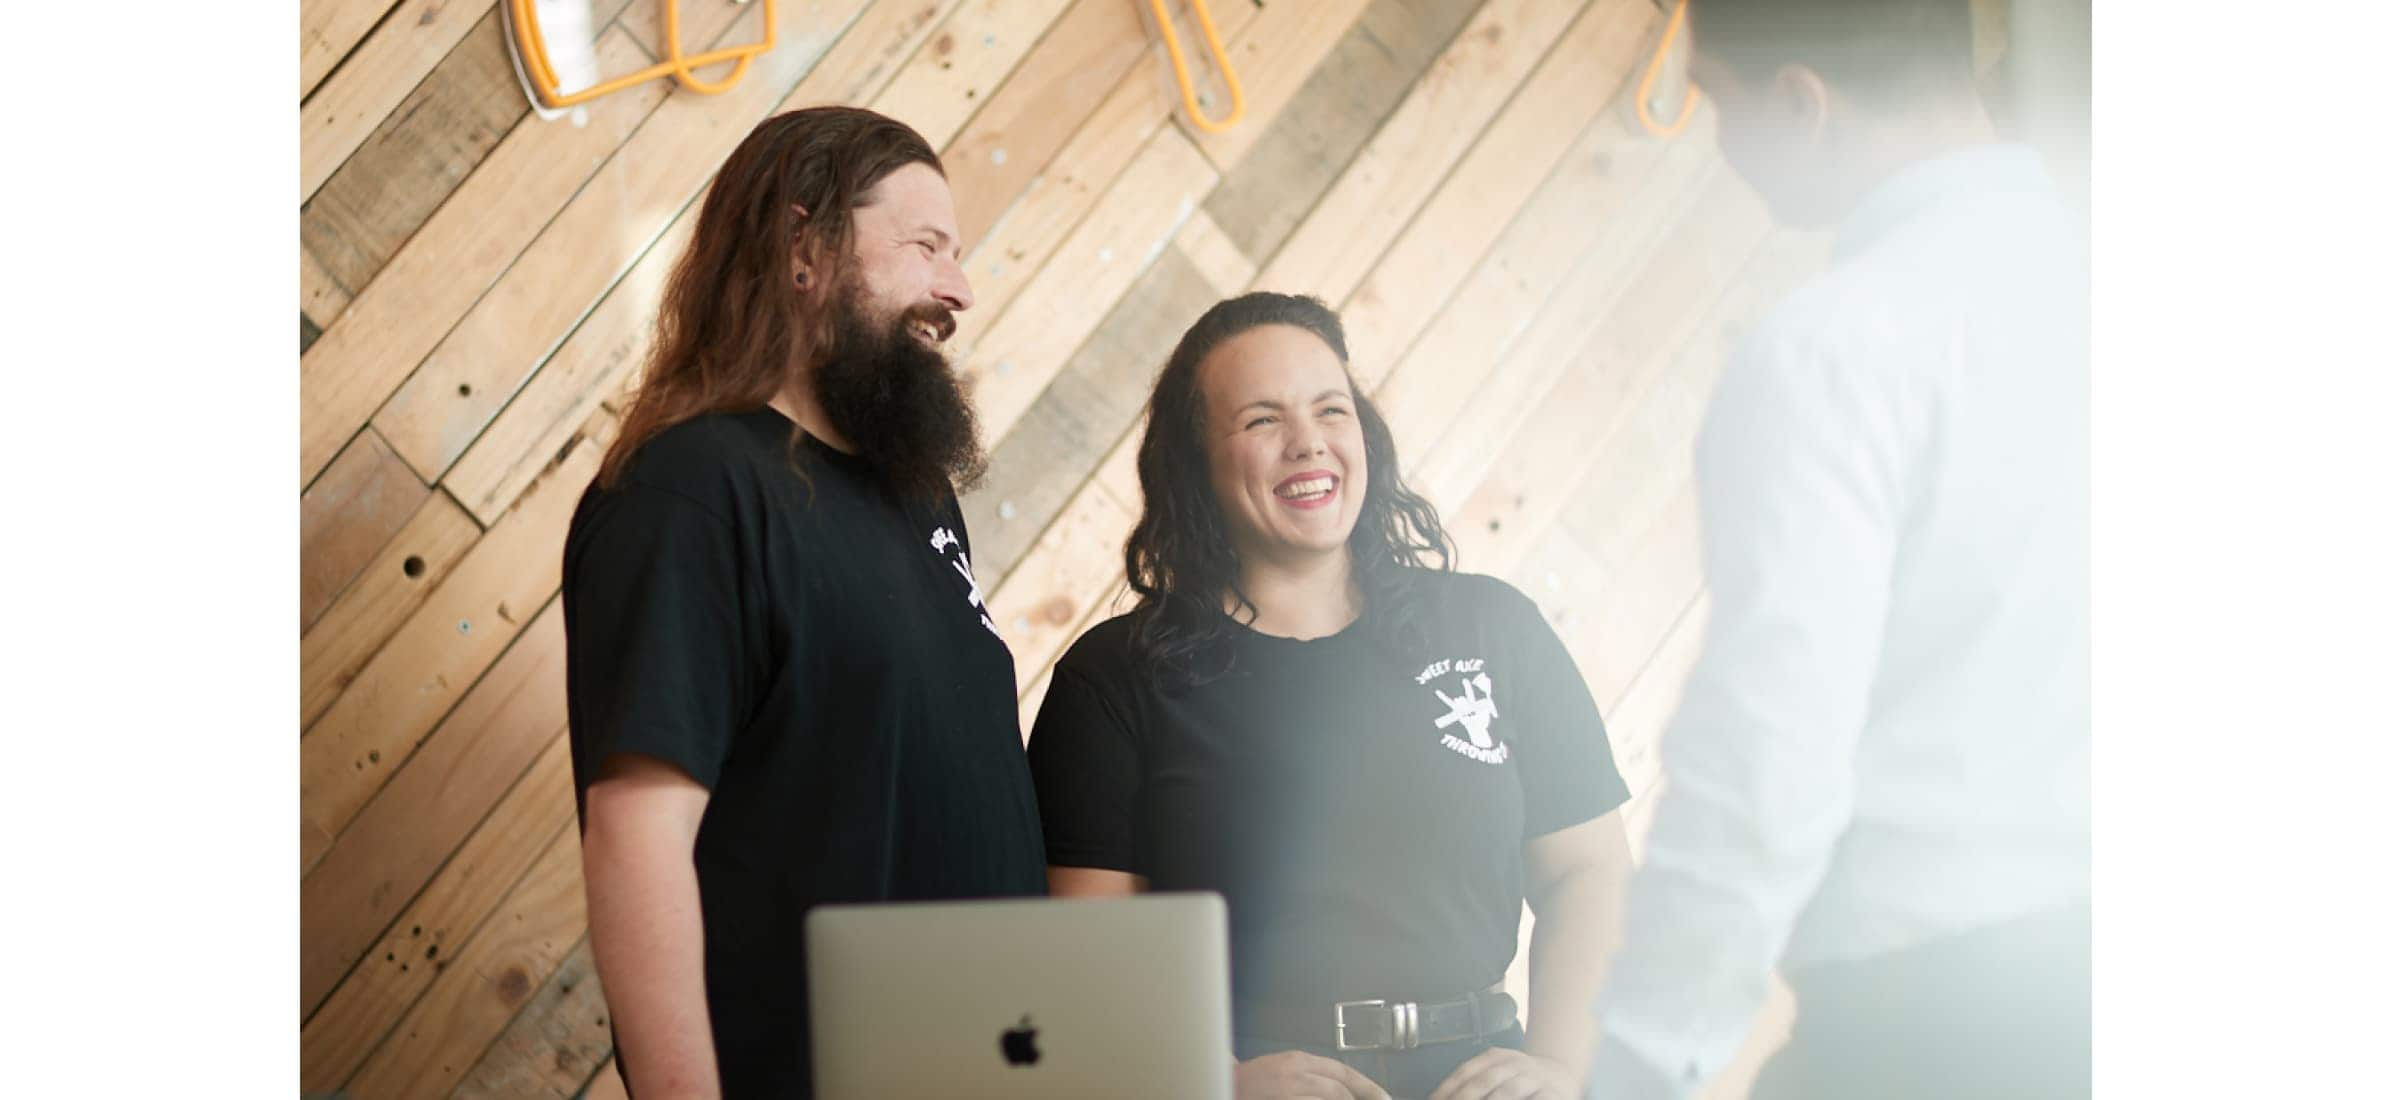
[
  {"x": 1262, "y": 420},
  {"x": 1333, "y": 410}
]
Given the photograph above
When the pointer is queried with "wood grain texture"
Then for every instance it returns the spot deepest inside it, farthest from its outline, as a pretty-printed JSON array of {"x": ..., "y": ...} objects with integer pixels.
[
  {"x": 449, "y": 263},
  {"x": 1445, "y": 114},
  {"x": 394, "y": 970},
  {"x": 493, "y": 977},
  {"x": 441, "y": 651},
  {"x": 1082, "y": 413},
  {"x": 607, "y": 1085},
  {"x": 1329, "y": 118},
  {"x": 555, "y": 1046},
  {"x": 1424, "y": 263},
  {"x": 414, "y": 158},
  {"x": 376, "y": 77},
  {"x": 409, "y": 567},
  {"x": 396, "y": 844},
  {"x": 322, "y": 298},
  {"x": 1273, "y": 60},
  {"x": 328, "y": 29},
  {"x": 972, "y": 52},
  {"x": 363, "y": 499},
  {"x": 1009, "y": 364}
]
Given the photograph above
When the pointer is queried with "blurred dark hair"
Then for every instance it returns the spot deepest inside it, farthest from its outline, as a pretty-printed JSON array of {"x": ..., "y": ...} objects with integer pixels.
[
  {"x": 1880, "y": 52},
  {"x": 731, "y": 331},
  {"x": 1179, "y": 559}
]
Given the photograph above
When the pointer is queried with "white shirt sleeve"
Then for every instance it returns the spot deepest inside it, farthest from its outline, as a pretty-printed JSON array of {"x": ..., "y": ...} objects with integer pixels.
[{"x": 1801, "y": 469}]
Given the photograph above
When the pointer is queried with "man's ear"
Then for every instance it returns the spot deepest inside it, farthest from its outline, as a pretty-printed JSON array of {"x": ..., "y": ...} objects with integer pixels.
[
  {"x": 801, "y": 273},
  {"x": 1800, "y": 101}
]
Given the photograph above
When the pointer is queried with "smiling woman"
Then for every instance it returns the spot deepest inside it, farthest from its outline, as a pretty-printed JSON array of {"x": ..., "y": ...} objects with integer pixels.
[
  {"x": 1295, "y": 676},
  {"x": 1254, "y": 404}
]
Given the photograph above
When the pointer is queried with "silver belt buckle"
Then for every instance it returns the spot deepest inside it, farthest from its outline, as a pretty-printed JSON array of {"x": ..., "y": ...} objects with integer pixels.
[{"x": 1403, "y": 1023}]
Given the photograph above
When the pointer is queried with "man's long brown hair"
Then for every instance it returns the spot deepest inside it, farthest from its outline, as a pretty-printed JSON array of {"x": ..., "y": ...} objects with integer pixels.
[{"x": 732, "y": 331}]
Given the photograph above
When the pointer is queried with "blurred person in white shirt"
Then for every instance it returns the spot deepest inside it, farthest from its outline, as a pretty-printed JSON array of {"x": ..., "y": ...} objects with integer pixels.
[{"x": 1878, "y": 780}]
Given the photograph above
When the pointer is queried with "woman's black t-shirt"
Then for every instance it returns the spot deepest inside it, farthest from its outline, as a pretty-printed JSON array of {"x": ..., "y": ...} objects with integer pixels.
[{"x": 1361, "y": 805}]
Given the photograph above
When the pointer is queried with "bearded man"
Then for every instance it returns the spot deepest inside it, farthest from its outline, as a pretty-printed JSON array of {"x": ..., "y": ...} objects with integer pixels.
[{"x": 784, "y": 686}]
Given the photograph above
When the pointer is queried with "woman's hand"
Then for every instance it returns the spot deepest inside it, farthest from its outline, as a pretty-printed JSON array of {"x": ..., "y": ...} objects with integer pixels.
[
  {"x": 1293, "y": 1073},
  {"x": 1501, "y": 1073}
]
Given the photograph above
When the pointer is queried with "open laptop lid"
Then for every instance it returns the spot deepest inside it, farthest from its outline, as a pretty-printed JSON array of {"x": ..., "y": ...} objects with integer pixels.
[{"x": 1022, "y": 998}]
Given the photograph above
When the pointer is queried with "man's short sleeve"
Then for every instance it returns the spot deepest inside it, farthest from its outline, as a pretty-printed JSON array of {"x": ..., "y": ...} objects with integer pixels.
[
  {"x": 656, "y": 659},
  {"x": 1085, "y": 766},
  {"x": 1567, "y": 774}
]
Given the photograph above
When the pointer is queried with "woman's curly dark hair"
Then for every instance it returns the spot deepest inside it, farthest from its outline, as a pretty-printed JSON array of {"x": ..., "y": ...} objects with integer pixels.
[{"x": 1179, "y": 559}]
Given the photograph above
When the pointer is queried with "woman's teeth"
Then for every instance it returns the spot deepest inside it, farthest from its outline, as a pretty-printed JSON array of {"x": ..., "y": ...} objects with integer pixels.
[{"x": 1310, "y": 487}]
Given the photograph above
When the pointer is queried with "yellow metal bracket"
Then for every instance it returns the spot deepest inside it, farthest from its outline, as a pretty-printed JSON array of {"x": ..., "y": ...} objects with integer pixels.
[
  {"x": 1179, "y": 68},
  {"x": 540, "y": 76},
  {"x": 1644, "y": 87}
]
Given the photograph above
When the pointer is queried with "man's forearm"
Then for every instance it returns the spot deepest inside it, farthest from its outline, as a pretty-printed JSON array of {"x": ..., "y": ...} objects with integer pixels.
[{"x": 649, "y": 941}]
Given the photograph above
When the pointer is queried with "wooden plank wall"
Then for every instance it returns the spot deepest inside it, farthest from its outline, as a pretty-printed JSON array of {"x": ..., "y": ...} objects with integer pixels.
[{"x": 1539, "y": 294}]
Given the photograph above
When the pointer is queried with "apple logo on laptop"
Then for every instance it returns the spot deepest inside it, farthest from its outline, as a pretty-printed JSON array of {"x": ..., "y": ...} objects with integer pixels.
[{"x": 1020, "y": 1044}]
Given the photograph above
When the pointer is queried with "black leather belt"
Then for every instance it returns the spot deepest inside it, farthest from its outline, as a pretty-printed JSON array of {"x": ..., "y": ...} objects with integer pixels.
[{"x": 1380, "y": 1024}]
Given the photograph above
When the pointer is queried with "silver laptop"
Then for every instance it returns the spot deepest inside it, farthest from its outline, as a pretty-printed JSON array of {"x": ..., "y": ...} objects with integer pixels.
[{"x": 1094, "y": 997}]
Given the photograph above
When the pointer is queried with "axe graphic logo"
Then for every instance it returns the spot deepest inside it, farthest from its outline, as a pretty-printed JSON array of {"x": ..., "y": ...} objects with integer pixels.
[
  {"x": 944, "y": 543},
  {"x": 1473, "y": 710}
]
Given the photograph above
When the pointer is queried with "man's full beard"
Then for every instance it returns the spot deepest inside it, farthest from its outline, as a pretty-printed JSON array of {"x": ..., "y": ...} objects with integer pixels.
[{"x": 897, "y": 402}]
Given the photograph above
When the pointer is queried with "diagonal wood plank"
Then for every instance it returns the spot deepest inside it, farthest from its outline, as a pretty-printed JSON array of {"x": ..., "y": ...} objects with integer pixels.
[
  {"x": 363, "y": 499},
  {"x": 408, "y": 569},
  {"x": 1590, "y": 211},
  {"x": 393, "y": 972},
  {"x": 555, "y": 1046},
  {"x": 322, "y": 298},
  {"x": 458, "y": 254},
  {"x": 493, "y": 976},
  {"x": 970, "y": 56},
  {"x": 1130, "y": 226},
  {"x": 399, "y": 840},
  {"x": 1076, "y": 69},
  {"x": 1621, "y": 411},
  {"x": 1034, "y": 472},
  {"x": 1445, "y": 115},
  {"x": 1330, "y": 117},
  {"x": 443, "y": 649},
  {"x": 607, "y": 349},
  {"x": 1672, "y": 248},
  {"x": 415, "y": 156},
  {"x": 624, "y": 209},
  {"x": 1273, "y": 59},
  {"x": 347, "y": 106},
  {"x": 328, "y": 30},
  {"x": 431, "y": 142},
  {"x": 1426, "y": 264},
  {"x": 1033, "y": 611},
  {"x": 607, "y": 1085}
]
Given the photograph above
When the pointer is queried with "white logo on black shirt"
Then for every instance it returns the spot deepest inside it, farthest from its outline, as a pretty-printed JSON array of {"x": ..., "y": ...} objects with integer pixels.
[
  {"x": 943, "y": 540},
  {"x": 1473, "y": 709}
]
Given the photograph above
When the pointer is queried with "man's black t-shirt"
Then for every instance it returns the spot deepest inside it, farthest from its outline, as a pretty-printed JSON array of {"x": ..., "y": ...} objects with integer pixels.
[
  {"x": 814, "y": 651},
  {"x": 1361, "y": 805}
]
